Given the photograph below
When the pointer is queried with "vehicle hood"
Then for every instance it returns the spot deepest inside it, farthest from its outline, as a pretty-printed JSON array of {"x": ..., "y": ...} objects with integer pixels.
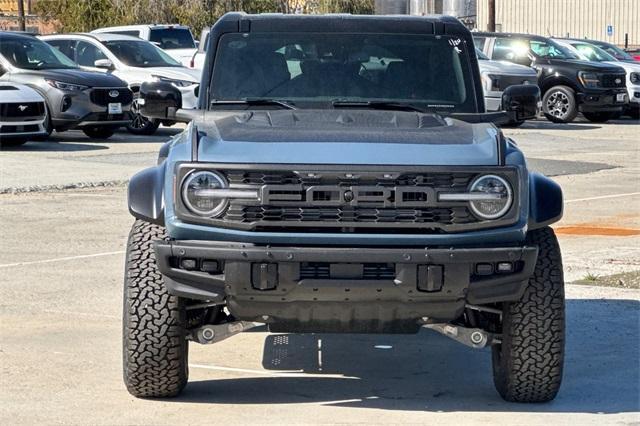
[
  {"x": 627, "y": 66},
  {"x": 18, "y": 93},
  {"x": 359, "y": 137},
  {"x": 588, "y": 65},
  {"x": 176, "y": 73},
  {"x": 505, "y": 68},
  {"x": 77, "y": 76}
]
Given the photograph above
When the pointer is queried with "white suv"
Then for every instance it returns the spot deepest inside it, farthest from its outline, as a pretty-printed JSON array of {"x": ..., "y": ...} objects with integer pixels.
[
  {"x": 132, "y": 60},
  {"x": 177, "y": 40}
]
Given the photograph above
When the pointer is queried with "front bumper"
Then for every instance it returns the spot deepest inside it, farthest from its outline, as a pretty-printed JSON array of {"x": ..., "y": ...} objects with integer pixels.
[
  {"x": 330, "y": 289},
  {"x": 71, "y": 110},
  {"x": 603, "y": 100}
]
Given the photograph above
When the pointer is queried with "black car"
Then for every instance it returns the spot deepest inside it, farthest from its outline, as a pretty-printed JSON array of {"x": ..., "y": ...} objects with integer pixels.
[
  {"x": 568, "y": 85},
  {"x": 93, "y": 102}
]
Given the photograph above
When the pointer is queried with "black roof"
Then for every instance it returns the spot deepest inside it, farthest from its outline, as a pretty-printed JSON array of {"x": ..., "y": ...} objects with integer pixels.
[
  {"x": 586, "y": 40},
  {"x": 16, "y": 35},
  {"x": 510, "y": 35},
  {"x": 394, "y": 24}
]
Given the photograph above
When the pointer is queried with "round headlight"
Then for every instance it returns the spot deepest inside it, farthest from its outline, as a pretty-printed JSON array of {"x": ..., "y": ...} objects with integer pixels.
[
  {"x": 199, "y": 195},
  {"x": 498, "y": 200}
]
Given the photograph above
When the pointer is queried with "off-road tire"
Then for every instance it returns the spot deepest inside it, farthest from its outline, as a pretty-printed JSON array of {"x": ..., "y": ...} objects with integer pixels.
[
  {"x": 599, "y": 117},
  {"x": 155, "y": 349},
  {"x": 527, "y": 365},
  {"x": 562, "y": 93},
  {"x": 99, "y": 132}
]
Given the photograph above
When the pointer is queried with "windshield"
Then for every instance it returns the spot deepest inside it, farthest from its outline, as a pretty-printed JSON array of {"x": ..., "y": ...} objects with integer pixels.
[
  {"x": 592, "y": 53},
  {"x": 550, "y": 50},
  {"x": 615, "y": 51},
  {"x": 481, "y": 55},
  {"x": 430, "y": 72},
  {"x": 33, "y": 54},
  {"x": 172, "y": 38},
  {"x": 140, "y": 53}
]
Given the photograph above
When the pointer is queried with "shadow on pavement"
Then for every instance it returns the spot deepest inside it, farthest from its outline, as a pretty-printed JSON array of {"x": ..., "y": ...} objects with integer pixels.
[
  {"x": 548, "y": 125},
  {"x": 75, "y": 140},
  {"x": 427, "y": 372}
]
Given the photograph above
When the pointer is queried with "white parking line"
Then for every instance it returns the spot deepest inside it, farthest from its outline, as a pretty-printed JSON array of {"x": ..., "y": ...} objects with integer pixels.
[
  {"x": 602, "y": 197},
  {"x": 296, "y": 373},
  {"x": 62, "y": 259}
]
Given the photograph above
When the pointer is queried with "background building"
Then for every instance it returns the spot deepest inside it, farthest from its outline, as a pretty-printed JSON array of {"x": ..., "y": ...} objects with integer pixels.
[
  {"x": 615, "y": 21},
  {"x": 607, "y": 20},
  {"x": 9, "y": 17}
]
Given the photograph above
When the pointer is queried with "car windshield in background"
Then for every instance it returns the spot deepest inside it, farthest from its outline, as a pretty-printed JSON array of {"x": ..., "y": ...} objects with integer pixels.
[
  {"x": 544, "y": 49},
  {"x": 33, "y": 54},
  {"x": 481, "y": 55},
  {"x": 593, "y": 53},
  {"x": 172, "y": 38},
  {"x": 427, "y": 72},
  {"x": 139, "y": 53},
  {"x": 615, "y": 51}
]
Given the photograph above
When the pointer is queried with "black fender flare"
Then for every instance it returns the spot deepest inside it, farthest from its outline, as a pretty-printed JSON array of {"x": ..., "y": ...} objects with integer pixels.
[
  {"x": 545, "y": 201},
  {"x": 145, "y": 196}
]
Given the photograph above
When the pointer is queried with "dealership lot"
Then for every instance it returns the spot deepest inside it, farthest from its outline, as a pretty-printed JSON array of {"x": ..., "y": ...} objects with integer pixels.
[{"x": 65, "y": 222}]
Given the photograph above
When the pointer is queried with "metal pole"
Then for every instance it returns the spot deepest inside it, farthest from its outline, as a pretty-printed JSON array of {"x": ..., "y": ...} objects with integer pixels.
[
  {"x": 491, "y": 24},
  {"x": 21, "y": 20}
]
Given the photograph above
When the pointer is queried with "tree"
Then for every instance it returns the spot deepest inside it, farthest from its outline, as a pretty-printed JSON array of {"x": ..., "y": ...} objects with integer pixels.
[{"x": 86, "y": 15}]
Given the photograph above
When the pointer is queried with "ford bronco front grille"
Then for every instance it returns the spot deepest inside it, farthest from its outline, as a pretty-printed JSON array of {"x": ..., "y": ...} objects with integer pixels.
[{"x": 364, "y": 199}]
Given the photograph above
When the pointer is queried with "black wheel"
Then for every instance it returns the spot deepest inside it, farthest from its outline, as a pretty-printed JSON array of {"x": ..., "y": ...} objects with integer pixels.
[
  {"x": 99, "y": 132},
  {"x": 634, "y": 113},
  {"x": 559, "y": 104},
  {"x": 599, "y": 117},
  {"x": 155, "y": 349},
  {"x": 141, "y": 125},
  {"x": 527, "y": 364}
]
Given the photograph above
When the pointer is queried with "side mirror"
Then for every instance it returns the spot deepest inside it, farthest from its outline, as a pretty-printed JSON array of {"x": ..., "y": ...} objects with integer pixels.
[
  {"x": 104, "y": 63},
  {"x": 159, "y": 99},
  {"x": 521, "y": 101}
]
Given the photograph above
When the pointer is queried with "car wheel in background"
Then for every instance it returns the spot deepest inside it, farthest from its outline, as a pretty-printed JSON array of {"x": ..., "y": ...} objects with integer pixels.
[
  {"x": 99, "y": 132},
  {"x": 599, "y": 117},
  {"x": 559, "y": 104},
  {"x": 141, "y": 125}
]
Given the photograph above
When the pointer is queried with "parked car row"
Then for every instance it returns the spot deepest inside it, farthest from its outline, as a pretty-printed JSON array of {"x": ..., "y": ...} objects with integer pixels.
[
  {"x": 573, "y": 75},
  {"x": 91, "y": 81}
]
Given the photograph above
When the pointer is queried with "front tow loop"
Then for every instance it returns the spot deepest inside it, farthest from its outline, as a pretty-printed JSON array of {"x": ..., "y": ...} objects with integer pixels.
[
  {"x": 208, "y": 334},
  {"x": 473, "y": 337}
]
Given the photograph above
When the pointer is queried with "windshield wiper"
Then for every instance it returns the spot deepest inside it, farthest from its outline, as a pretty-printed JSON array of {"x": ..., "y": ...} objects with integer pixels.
[
  {"x": 397, "y": 106},
  {"x": 255, "y": 102}
]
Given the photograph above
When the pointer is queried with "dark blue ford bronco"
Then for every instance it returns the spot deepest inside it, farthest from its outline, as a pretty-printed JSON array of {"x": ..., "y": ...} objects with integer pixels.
[{"x": 341, "y": 175}]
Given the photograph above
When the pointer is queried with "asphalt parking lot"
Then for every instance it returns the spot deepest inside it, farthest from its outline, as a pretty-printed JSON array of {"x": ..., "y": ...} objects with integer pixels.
[{"x": 64, "y": 220}]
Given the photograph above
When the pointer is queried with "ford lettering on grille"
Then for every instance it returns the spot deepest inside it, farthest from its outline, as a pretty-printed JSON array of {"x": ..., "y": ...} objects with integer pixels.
[{"x": 355, "y": 196}]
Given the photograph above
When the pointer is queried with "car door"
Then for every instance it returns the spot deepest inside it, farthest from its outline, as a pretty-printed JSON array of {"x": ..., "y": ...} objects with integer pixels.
[{"x": 87, "y": 54}]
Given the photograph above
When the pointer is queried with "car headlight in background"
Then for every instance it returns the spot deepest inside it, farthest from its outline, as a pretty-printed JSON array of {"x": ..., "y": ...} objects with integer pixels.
[
  {"x": 201, "y": 193},
  {"x": 635, "y": 77},
  {"x": 176, "y": 83},
  {"x": 69, "y": 87},
  {"x": 490, "y": 83},
  {"x": 589, "y": 80},
  {"x": 494, "y": 196}
]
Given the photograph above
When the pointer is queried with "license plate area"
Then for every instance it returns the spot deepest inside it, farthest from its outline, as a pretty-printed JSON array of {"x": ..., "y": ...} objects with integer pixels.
[
  {"x": 621, "y": 97},
  {"x": 115, "y": 108}
]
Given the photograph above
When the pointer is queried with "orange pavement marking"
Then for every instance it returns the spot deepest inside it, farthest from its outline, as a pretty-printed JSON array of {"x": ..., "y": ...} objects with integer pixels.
[{"x": 596, "y": 230}]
